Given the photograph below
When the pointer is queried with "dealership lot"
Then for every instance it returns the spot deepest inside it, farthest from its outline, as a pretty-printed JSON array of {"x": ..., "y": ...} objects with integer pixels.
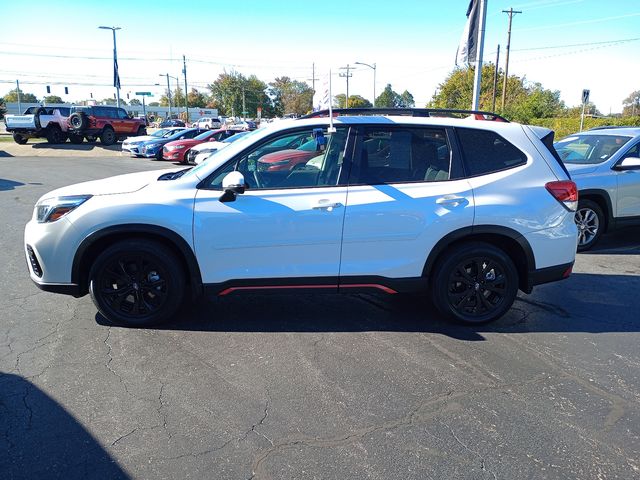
[{"x": 314, "y": 386}]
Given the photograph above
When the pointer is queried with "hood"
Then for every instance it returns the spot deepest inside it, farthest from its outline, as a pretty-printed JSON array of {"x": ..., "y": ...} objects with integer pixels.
[
  {"x": 580, "y": 169},
  {"x": 142, "y": 138},
  {"x": 109, "y": 186}
]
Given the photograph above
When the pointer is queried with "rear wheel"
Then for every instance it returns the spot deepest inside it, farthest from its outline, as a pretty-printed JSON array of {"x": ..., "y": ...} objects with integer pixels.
[
  {"x": 19, "y": 138},
  {"x": 137, "y": 283},
  {"x": 590, "y": 222},
  {"x": 474, "y": 283},
  {"x": 108, "y": 136}
]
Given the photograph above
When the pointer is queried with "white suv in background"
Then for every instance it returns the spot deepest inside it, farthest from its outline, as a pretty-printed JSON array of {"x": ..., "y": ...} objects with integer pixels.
[
  {"x": 208, "y": 123},
  {"x": 397, "y": 201}
]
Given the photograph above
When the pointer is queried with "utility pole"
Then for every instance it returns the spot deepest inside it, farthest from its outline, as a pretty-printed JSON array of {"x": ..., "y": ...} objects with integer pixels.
[
  {"x": 18, "y": 92},
  {"x": 346, "y": 75},
  {"x": 511, "y": 12},
  {"x": 244, "y": 107},
  {"x": 186, "y": 94},
  {"x": 477, "y": 77},
  {"x": 313, "y": 77},
  {"x": 168, "y": 91},
  {"x": 495, "y": 81}
]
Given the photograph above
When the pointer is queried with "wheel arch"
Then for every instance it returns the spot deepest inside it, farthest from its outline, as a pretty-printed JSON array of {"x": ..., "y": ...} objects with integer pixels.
[
  {"x": 510, "y": 241},
  {"x": 602, "y": 198},
  {"x": 96, "y": 242}
]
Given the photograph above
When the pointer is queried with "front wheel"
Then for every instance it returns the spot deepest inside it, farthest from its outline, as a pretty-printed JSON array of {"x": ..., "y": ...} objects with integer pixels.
[
  {"x": 54, "y": 135},
  {"x": 76, "y": 138},
  {"x": 590, "y": 222},
  {"x": 474, "y": 283},
  {"x": 137, "y": 283}
]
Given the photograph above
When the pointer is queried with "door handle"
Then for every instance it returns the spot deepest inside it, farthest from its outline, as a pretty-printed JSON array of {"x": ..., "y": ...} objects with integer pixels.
[
  {"x": 326, "y": 205},
  {"x": 450, "y": 200}
]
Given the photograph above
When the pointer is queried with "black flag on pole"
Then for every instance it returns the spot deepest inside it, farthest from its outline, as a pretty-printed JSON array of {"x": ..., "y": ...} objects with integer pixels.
[
  {"x": 469, "y": 41},
  {"x": 116, "y": 74}
]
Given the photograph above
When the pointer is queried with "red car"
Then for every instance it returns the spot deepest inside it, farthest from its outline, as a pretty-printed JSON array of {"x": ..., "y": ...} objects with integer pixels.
[
  {"x": 288, "y": 159},
  {"x": 178, "y": 149}
]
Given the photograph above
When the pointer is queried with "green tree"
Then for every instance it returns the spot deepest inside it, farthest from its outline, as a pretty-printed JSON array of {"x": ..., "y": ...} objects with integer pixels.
[
  {"x": 355, "y": 101},
  {"x": 390, "y": 99},
  {"x": 231, "y": 90},
  {"x": 524, "y": 100},
  {"x": 177, "y": 98},
  {"x": 135, "y": 102},
  {"x": 406, "y": 100},
  {"x": 197, "y": 98},
  {"x": 12, "y": 97},
  {"x": 290, "y": 96},
  {"x": 631, "y": 104},
  {"x": 154, "y": 104},
  {"x": 112, "y": 101},
  {"x": 52, "y": 99}
]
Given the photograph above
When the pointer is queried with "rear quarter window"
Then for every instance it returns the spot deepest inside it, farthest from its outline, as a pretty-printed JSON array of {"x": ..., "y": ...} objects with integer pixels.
[{"x": 486, "y": 152}]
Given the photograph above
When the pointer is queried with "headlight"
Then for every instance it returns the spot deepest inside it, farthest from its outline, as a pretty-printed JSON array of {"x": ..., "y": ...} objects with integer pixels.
[
  {"x": 152, "y": 145},
  {"x": 174, "y": 147},
  {"x": 51, "y": 209}
]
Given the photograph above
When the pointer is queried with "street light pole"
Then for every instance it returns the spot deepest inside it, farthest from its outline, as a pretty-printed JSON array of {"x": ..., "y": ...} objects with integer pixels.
[
  {"x": 373, "y": 67},
  {"x": 116, "y": 73}
]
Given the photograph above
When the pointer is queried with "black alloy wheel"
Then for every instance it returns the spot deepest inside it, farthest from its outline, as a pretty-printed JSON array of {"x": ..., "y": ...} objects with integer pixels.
[
  {"x": 137, "y": 283},
  {"x": 78, "y": 120},
  {"x": 475, "y": 283}
]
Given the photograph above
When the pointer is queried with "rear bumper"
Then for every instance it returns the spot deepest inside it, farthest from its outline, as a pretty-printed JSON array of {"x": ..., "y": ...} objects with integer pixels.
[{"x": 548, "y": 275}]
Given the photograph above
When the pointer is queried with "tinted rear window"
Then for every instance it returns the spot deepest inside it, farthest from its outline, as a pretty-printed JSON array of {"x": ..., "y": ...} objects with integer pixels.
[{"x": 486, "y": 152}]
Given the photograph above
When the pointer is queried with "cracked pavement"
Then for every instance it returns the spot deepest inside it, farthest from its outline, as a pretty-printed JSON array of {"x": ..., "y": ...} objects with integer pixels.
[{"x": 316, "y": 386}]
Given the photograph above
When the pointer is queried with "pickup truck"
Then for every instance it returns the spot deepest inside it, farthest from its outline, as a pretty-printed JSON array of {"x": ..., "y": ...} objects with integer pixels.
[{"x": 39, "y": 122}]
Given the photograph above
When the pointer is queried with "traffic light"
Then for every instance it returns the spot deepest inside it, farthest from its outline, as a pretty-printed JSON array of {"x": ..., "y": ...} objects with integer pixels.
[
  {"x": 66, "y": 90},
  {"x": 48, "y": 89}
]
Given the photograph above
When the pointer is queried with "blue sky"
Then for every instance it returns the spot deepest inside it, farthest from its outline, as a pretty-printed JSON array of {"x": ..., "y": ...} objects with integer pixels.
[{"x": 566, "y": 45}]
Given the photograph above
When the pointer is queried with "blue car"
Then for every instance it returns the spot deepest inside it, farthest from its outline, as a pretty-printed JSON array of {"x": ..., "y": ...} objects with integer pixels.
[{"x": 153, "y": 148}]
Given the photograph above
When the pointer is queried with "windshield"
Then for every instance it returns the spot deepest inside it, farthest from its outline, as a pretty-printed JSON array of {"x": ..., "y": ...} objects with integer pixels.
[
  {"x": 204, "y": 136},
  {"x": 589, "y": 149},
  {"x": 235, "y": 137},
  {"x": 160, "y": 133}
]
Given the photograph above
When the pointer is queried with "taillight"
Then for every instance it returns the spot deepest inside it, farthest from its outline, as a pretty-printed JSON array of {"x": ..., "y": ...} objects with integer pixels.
[{"x": 565, "y": 192}]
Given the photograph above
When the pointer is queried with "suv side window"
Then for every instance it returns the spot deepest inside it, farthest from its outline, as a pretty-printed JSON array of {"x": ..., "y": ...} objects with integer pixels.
[
  {"x": 402, "y": 154},
  {"x": 122, "y": 114},
  {"x": 273, "y": 164},
  {"x": 486, "y": 152}
]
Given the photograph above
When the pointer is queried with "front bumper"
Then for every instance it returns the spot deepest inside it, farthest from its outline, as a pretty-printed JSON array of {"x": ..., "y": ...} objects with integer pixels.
[{"x": 176, "y": 155}]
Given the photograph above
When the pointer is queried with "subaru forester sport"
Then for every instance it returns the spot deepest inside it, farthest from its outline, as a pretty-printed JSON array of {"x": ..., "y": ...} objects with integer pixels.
[{"x": 468, "y": 209}]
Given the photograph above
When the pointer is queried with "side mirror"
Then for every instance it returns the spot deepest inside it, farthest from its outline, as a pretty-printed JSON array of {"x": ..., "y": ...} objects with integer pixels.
[
  {"x": 629, "y": 163},
  {"x": 233, "y": 185}
]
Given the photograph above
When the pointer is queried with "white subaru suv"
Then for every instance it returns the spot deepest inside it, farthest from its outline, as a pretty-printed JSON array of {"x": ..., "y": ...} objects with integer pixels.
[{"x": 390, "y": 201}]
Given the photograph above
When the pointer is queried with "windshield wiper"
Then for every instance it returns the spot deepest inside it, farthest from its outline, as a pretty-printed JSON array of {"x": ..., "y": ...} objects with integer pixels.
[{"x": 173, "y": 175}]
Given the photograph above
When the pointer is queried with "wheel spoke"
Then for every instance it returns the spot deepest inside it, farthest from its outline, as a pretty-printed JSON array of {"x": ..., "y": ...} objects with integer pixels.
[{"x": 465, "y": 278}]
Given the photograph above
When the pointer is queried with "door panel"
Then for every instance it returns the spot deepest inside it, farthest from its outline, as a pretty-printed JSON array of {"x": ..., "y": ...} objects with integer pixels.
[{"x": 269, "y": 234}]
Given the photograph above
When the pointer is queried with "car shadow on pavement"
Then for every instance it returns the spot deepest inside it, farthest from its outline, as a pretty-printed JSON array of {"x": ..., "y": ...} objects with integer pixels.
[
  {"x": 4, "y": 154},
  {"x": 83, "y": 147},
  {"x": 9, "y": 184},
  {"x": 625, "y": 241},
  {"x": 583, "y": 303},
  {"x": 43, "y": 440}
]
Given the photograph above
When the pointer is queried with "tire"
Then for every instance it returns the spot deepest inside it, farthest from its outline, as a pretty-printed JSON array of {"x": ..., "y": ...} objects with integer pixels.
[
  {"x": 54, "y": 134},
  {"x": 19, "y": 138},
  {"x": 90, "y": 139},
  {"x": 78, "y": 121},
  {"x": 158, "y": 155},
  {"x": 108, "y": 136},
  {"x": 185, "y": 160},
  {"x": 474, "y": 283},
  {"x": 141, "y": 131},
  {"x": 75, "y": 138},
  {"x": 137, "y": 283},
  {"x": 590, "y": 221}
]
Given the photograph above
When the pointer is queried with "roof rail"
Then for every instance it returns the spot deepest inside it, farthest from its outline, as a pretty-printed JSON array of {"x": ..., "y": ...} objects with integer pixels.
[{"x": 408, "y": 112}]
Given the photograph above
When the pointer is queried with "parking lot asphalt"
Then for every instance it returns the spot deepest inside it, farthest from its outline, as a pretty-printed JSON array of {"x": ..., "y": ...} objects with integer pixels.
[{"x": 315, "y": 386}]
